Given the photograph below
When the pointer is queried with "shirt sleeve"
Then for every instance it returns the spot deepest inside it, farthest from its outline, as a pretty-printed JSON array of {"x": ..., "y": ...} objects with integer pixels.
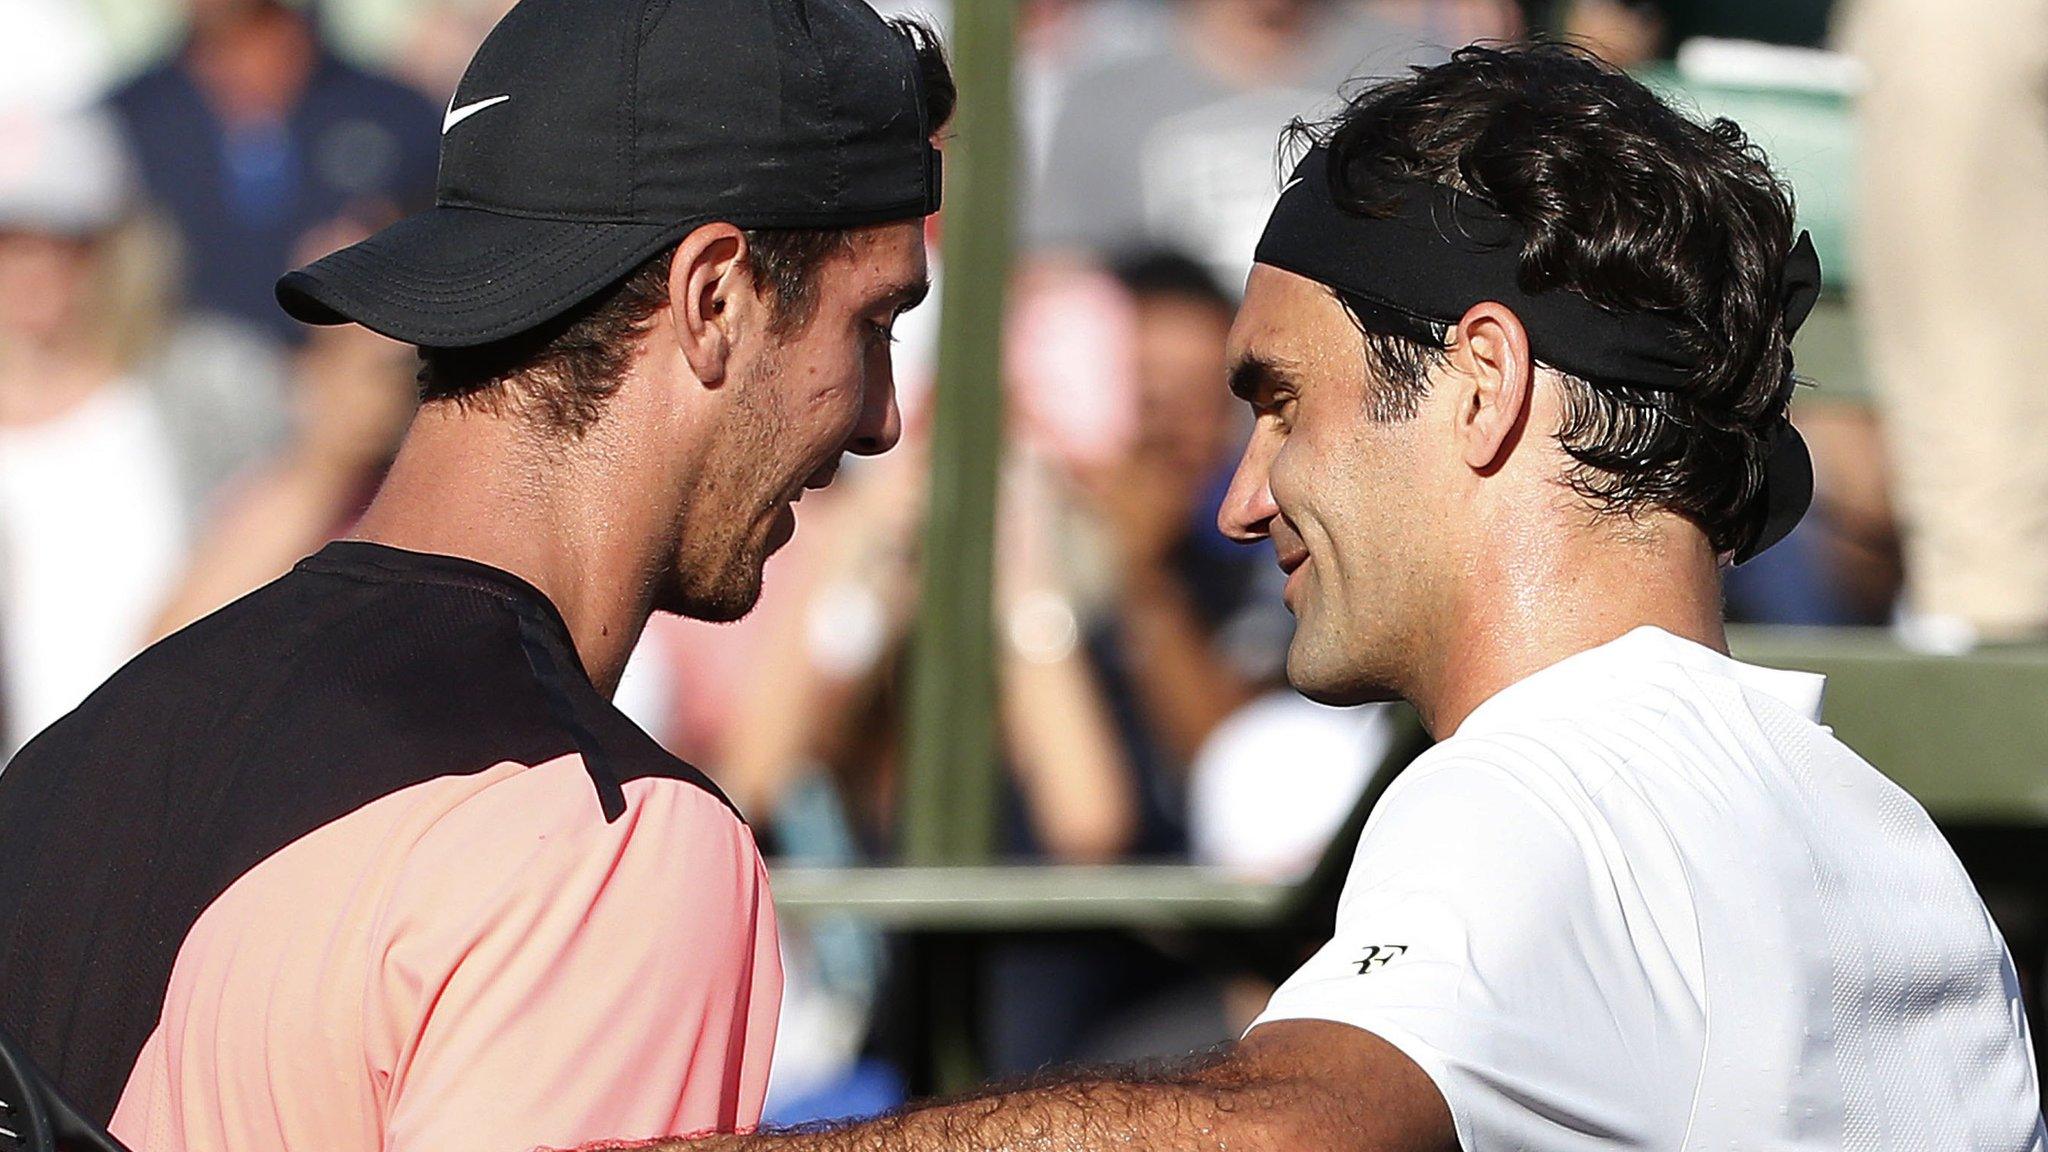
[
  {"x": 548, "y": 979},
  {"x": 1478, "y": 935}
]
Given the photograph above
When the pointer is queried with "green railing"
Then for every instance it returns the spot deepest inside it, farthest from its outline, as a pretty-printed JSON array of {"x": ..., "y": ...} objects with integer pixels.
[
  {"x": 1966, "y": 735},
  {"x": 1026, "y": 898}
]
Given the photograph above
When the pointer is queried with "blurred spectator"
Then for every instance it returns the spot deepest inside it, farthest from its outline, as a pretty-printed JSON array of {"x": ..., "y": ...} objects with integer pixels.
[
  {"x": 1951, "y": 276},
  {"x": 254, "y": 135},
  {"x": 1634, "y": 32},
  {"x": 442, "y": 37},
  {"x": 1055, "y": 39},
  {"x": 1174, "y": 146},
  {"x": 353, "y": 396},
  {"x": 53, "y": 54},
  {"x": 1454, "y": 23},
  {"x": 824, "y": 695},
  {"x": 1185, "y": 629},
  {"x": 1191, "y": 622},
  {"x": 117, "y": 424}
]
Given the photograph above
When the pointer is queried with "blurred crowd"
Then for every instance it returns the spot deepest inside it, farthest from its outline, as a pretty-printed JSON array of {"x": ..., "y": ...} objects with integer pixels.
[{"x": 168, "y": 440}]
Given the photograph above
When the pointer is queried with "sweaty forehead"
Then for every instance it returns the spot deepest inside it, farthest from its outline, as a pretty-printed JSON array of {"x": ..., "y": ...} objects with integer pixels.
[{"x": 1294, "y": 320}]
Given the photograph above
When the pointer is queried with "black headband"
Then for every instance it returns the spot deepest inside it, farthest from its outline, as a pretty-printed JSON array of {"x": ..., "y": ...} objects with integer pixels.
[{"x": 1443, "y": 251}]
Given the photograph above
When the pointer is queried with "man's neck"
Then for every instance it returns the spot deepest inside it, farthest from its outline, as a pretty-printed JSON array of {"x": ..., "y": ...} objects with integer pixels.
[
  {"x": 1525, "y": 613},
  {"x": 476, "y": 486}
]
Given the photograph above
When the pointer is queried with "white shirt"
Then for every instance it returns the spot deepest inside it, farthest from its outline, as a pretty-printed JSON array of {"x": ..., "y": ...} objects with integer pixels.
[
  {"x": 1642, "y": 899},
  {"x": 92, "y": 537}
]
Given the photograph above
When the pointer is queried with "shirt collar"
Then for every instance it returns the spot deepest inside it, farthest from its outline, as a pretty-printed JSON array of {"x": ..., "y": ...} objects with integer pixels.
[
  {"x": 1630, "y": 661},
  {"x": 381, "y": 562}
]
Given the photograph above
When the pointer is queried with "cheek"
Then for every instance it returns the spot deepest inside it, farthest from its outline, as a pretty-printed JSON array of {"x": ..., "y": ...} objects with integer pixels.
[
  {"x": 818, "y": 386},
  {"x": 1327, "y": 488},
  {"x": 835, "y": 406},
  {"x": 1285, "y": 480},
  {"x": 1307, "y": 481}
]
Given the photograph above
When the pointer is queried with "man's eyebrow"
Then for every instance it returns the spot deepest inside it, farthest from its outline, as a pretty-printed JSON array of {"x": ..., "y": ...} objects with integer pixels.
[
  {"x": 907, "y": 296},
  {"x": 1254, "y": 375}
]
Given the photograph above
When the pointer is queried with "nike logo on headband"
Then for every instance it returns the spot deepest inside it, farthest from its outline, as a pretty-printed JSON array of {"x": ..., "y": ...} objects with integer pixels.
[{"x": 458, "y": 115}]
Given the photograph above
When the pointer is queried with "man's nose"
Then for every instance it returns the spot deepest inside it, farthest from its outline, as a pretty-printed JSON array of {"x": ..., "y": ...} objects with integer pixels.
[
  {"x": 1248, "y": 507},
  {"x": 881, "y": 421}
]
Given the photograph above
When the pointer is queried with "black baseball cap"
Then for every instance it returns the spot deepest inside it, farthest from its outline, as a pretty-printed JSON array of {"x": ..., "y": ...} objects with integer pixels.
[{"x": 588, "y": 135}]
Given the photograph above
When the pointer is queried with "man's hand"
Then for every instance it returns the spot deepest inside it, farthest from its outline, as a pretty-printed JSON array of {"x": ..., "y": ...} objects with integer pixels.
[{"x": 1289, "y": 1087}]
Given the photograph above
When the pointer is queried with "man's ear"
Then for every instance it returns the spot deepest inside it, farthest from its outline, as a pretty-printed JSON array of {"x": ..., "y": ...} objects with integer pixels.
[
  {"x": 1494, "y": 370},
  {"x": 708, "y": 287}
]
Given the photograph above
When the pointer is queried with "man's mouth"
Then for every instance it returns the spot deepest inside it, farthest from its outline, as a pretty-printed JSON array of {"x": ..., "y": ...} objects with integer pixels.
[
  {"x": 1292, "y": 557},
  {"x": 822, "y": 478}
]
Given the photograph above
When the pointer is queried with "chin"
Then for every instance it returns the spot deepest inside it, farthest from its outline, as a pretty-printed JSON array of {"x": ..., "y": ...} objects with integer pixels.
[
  {"x": 1332, "y": 682},
  {"x": 720, "y": 601},
  {"x": 1346, "y": 695}
]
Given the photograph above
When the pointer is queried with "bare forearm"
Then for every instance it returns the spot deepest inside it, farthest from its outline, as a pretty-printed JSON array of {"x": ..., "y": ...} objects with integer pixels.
[
  {"x": 1075, "y": 1117},
  {"x": 1290, "y": 1086}
]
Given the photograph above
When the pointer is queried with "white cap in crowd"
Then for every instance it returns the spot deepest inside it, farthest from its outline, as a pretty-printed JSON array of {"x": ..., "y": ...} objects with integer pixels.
[
  {"x": 53, "y": 54},
  {"x": 62, "y": 171}
]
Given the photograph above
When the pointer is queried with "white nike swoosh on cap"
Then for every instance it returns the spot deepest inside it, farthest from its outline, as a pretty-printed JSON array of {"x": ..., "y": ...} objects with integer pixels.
[{"x": 458, "y": 115}]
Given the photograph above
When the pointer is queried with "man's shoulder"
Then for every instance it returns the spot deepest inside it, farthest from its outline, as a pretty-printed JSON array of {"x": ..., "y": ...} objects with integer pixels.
[
  {"x": 1642, "y": 702},
  {"x": 1574, "y": 766},
  {"x": 450, "y": 676},
  {"x": 617, "y": 752},
  {"x": 542, "y": 820},
  {"x": 361, "y": 687},
  {"x": 1536, "y": 754},
  {"x": 1474, "y": 801}
]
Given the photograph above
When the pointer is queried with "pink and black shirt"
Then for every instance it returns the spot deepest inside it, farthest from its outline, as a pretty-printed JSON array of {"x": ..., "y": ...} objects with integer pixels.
[{"x": 363, "y": 863}]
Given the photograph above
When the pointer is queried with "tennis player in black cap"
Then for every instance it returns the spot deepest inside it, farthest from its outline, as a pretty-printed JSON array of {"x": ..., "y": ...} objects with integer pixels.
[
  {"x": 1517, "y": 343},
  {"x": 368, "y": 861}
]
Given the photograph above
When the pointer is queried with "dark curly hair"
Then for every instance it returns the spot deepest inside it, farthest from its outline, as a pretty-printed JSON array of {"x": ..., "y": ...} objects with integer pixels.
[
  {"x": 1625, "y": 202},
  {"x": 565, "y": 370}
]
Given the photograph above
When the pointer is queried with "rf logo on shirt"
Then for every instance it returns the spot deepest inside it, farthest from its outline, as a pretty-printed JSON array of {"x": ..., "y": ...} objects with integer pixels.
[{"x": 1378, "y": 956}]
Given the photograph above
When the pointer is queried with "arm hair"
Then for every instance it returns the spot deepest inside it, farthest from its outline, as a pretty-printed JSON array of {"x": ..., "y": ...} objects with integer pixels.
[{"x": 1291, "y": 1086}]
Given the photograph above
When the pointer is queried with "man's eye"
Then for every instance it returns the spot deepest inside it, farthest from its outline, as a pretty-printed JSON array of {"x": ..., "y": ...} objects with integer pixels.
[{"x": 881, "y": 333}]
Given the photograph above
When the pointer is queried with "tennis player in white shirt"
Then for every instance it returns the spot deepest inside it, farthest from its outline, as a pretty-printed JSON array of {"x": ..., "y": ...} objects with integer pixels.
[{"x": 1518, "y": 346}]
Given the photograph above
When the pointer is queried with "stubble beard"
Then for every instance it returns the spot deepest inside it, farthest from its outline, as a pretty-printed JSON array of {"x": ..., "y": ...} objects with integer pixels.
[
  {"x": 1343, "y": 663},
  {"x": 724, "y": 596},
  {"x": 716, "y": 570}
]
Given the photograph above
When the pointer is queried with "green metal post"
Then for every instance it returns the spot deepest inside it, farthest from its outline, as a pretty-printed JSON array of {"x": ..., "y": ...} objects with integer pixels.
[{"x": 950, "y": 785}]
